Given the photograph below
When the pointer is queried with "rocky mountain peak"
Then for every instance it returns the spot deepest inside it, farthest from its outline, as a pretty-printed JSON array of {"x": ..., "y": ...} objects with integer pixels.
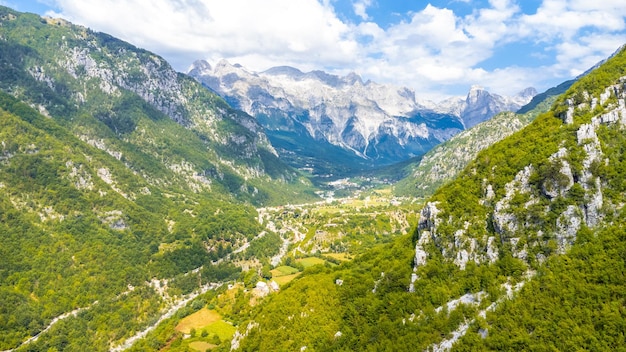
[
  {"x": 476, "y": 93},
  {"x": 284, "y": 71},
  {"x": 380, "y": 123},
  {"x": 326, "y": 78},
  {"x": 224, "y": 65},
  {"x": 352, "y": 78},
  {"x": 480, "y": 105},
  {"x": 529, "y": 93},
  {"x": 201, "y": 65}
]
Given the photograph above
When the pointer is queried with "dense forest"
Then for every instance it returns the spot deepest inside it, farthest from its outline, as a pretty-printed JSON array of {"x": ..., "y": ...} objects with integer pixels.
[{"x": 107, "y": 219}]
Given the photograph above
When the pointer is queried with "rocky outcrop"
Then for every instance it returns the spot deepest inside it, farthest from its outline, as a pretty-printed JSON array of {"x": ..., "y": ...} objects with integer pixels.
[
  {"x": 562, "y": 180},
  {"x": 155, "y": 81},
  {"x": 428, "y": 219},
  {"x": 588, "y": 139},
  {"x": 504, "y": 221},
  {"x": 545, "y": 204},
  {"x": 567, "y": 226},
  {"x": 568, "y": 116},
  {"x": 238, "y": 336},
  {"x": 427, "y": 227}
]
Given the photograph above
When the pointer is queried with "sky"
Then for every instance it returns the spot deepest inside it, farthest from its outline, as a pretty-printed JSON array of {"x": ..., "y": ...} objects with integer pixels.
[{"x": 438, "y": 48}]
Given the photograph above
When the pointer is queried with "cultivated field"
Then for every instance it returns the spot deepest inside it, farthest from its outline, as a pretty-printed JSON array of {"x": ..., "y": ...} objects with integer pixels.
[{"x": 198, "y": 320}]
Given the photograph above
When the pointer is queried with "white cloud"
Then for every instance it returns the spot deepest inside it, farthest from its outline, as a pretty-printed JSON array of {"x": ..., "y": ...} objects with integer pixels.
[
  {"x": 360, "y": 8},
  {"x": 558, "y": 18},
  {"x": 433, "y": 50},
  {"x": 575, "y": 57},
  {"x": 580, "y": 33},
  {"x": 492, "y": 24},
  {"x": 285, "y": 30},
  {"x": 436, "y": 49}
]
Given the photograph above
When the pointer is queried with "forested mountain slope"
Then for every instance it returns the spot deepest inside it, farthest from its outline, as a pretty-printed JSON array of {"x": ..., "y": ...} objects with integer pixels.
[
  {"x": 123, "y": 184},
  {"x": 445, "y": 161},
  {"x": 523, "y": 251},
  {"x": 123, "y": 100}
]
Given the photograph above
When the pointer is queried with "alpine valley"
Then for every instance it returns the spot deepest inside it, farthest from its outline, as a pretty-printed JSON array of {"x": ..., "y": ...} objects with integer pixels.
[
  {"x": 337, "y": 125},
  {"x": 144, "y": 209},
  {"x": 119, "y": 176}
]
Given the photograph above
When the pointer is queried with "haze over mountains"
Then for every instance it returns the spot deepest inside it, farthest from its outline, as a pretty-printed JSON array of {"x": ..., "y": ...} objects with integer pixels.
[{"x": 374, "y": 124}]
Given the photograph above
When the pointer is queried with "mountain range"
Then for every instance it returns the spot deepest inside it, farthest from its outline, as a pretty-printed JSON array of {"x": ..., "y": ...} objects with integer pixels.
[
  {"x": 523, "y": 250},
  {"x": 445, "y": 161},
  {"x": 141, "y": 211},
  {"x": 342, "y": 123}
]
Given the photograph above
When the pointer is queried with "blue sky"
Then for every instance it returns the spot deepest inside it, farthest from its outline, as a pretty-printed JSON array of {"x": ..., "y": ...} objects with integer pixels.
[{"x": 438, "y": 48}]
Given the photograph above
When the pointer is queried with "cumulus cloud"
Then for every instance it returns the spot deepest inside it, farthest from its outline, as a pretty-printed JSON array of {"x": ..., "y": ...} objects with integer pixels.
[
  {"x": 360, "y": 8},
  {"x": 579, "y": 33},
  {"x": 436, "y": 50},
  {"x": 446, "y": 50},
  {"x": 433, "y": 50},
  {"x": 278, "y": 30},
  {"x": 559, "y": 18}
]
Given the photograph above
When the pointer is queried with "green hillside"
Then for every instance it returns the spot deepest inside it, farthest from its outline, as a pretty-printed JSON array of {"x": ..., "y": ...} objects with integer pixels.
[
  {"x": 128, "y": 220},
  {"x": 446, "y": 160},
  {"x": 78, "y": 227},
  {"x": 130, "y": 103},
  {"x": 523, "y": 251},
  {"x": 124, "y": 186}
]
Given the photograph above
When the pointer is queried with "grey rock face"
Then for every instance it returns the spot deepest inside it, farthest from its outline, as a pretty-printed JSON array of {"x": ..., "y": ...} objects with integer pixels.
[
  {"x": 522, "y": 215},
  {"x": 593, "y": 189},
  {"x": 563, "y": 180},
  {"x": 505, "y": 222},
  {"x": 567, "y": 226},
  {"x": 426, "y": 227},
  {"x": 480, "y": 105},
  {"x": 376, "y": 122}
]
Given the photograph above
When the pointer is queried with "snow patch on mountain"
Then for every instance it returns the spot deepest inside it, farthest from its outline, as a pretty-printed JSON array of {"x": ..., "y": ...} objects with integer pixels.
[
  {"x": 480, "y": 105},
  {"x": 379, "y": 122}
]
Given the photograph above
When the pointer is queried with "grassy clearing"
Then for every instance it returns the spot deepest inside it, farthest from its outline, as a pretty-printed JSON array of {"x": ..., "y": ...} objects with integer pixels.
[
  {"x": 307, "y": 262},
  {"x": 350, "y": 205},
  {"x": 209, "y": 323},
  {"x": 285, "y": 279},
  {"x": 198, "y": 320},
  {"x": 330, "y": 210},
  {"x": 344, "y": 257},
  {"x": 201, "y": 346},
  {"x": 283, "y": 270},
  {"x": 224, "y": 330},
  {"x": 384, "y": 192},
  {"x": 284, "y": 274}
]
